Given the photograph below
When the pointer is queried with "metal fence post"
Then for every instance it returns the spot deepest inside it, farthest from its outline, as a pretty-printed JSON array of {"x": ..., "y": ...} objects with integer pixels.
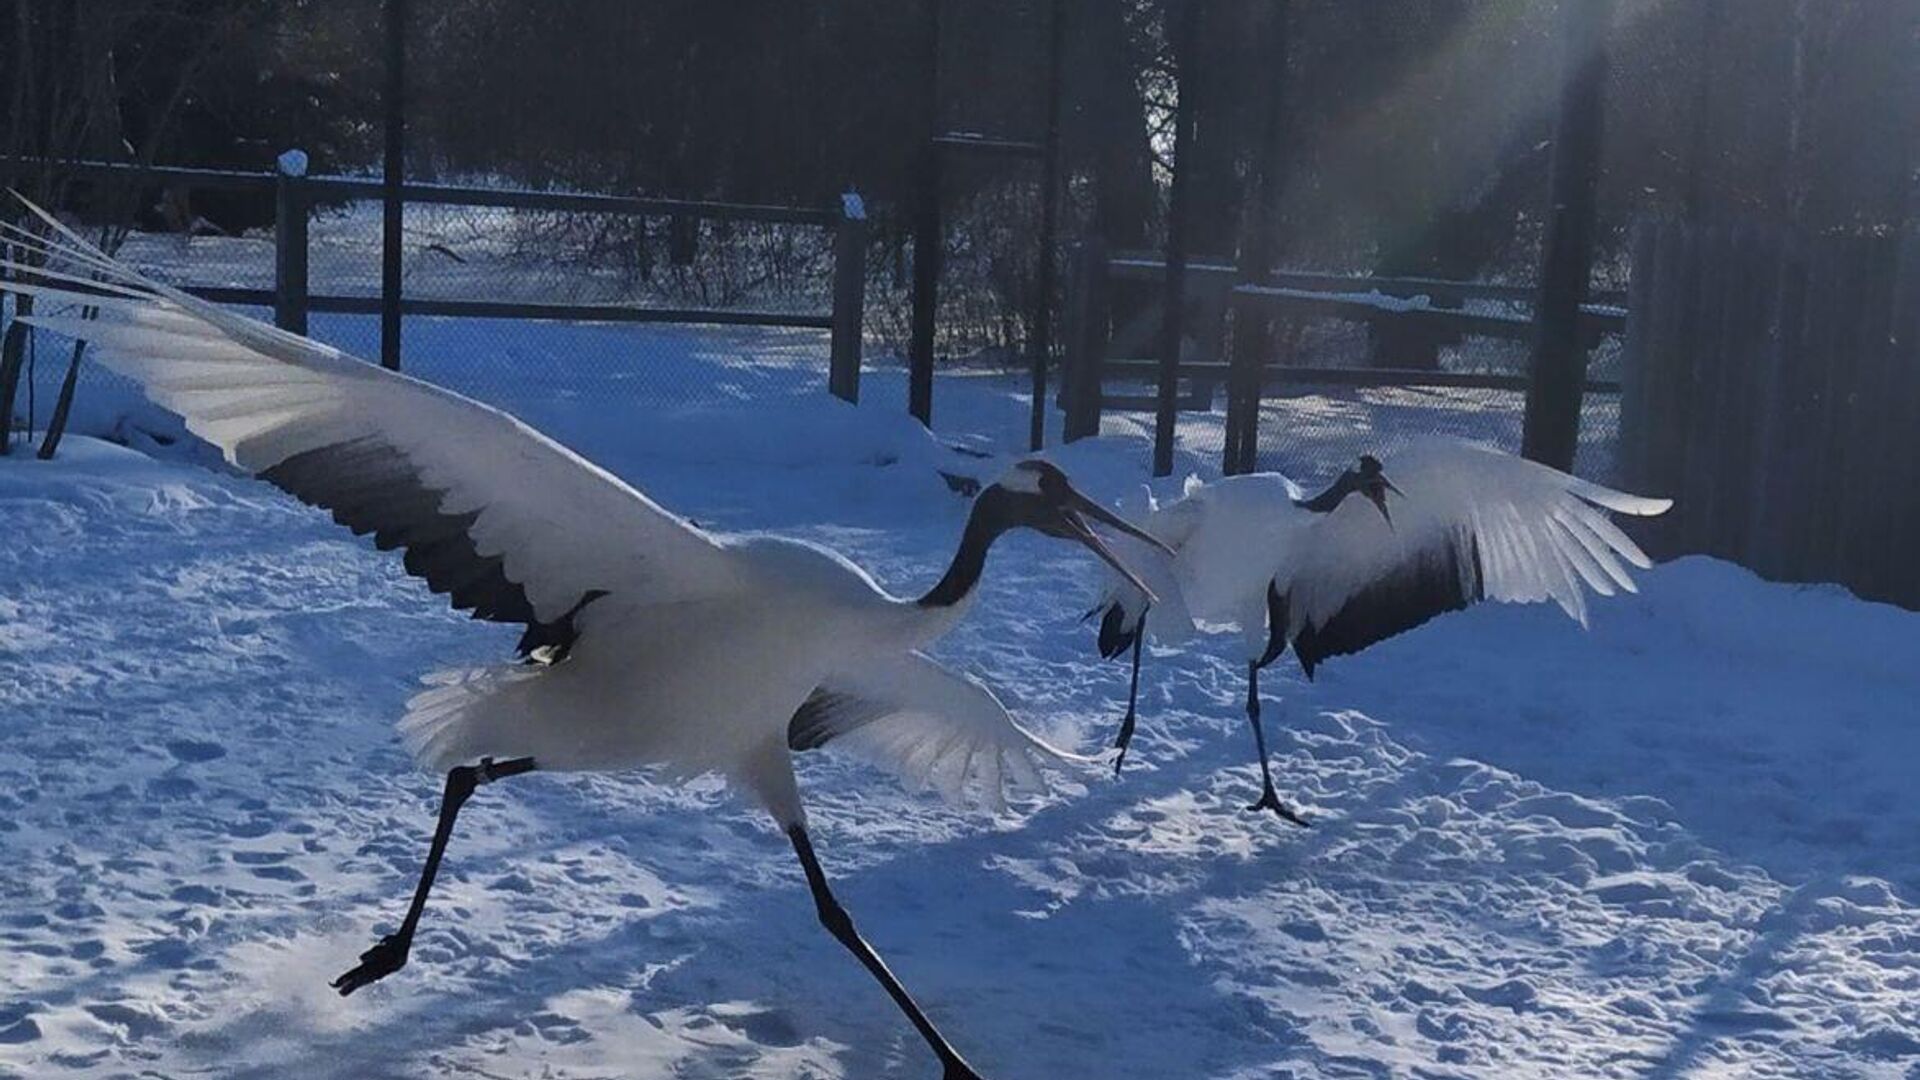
[
  {"x": 1042, "y": 341},
  {"x": 1186, "y": 70},
  {"x": 849, "y": 297},
  {"x": 1559, "y": 364},
  {"x": 927, "y": 236},
  {"x": 392, "y": 170},
  {"x": 1080, "y": 389},
  {"x": 290, "y": 243}
]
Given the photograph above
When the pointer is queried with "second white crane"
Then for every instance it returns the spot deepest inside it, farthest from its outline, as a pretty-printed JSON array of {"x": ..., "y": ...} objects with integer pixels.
[{"x": 1334, "y": 573}]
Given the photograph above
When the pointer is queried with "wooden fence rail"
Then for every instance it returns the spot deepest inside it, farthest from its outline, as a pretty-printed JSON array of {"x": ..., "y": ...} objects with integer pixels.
[{"x": 1773, "y": 390}]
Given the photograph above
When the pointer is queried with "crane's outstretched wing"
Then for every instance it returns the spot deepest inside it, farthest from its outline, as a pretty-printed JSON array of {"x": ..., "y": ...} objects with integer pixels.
[
  {"x": 514, "y": 526},
  {"x": 930, "y": 726},
  {"x": 1471, "y": 524}
]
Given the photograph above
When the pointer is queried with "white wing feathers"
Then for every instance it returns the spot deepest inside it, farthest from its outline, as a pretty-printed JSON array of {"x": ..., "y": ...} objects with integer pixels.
[
  {"x": 1471, "y": 524},
  {"x": 335, "y": 427},
  {"x": 1120, "y": 603},
  {"x": 930, "y": 726}
]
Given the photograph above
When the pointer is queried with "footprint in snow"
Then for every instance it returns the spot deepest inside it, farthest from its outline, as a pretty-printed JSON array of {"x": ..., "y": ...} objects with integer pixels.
[
  {"x": 24, "y": 1031},
  {"x": 195, "y": 751},
  {"x": 134, "y": 1024}
]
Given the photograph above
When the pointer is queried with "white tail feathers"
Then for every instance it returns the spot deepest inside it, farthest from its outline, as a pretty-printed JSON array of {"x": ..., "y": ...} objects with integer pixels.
[{"x": 448, "y": 723}]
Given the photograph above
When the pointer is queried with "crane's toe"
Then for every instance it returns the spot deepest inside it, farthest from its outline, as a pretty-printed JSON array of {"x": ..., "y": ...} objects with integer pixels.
[
  {"x": 1271, "y": 801},
  {"x": 386, "y": 957}
]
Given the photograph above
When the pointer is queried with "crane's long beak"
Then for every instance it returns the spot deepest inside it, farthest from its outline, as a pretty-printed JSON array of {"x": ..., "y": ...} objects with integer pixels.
[
  {"x": 1076, "y": 516},
  {"x": 1379, "y": 500},
  {"x": 1378, "y": 496}
]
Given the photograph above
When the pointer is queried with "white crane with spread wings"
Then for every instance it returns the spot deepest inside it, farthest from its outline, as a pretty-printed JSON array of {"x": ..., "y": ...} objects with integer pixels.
[
  {"x": 647, "y": 642},
  {"x": 1332, "y": 574}
]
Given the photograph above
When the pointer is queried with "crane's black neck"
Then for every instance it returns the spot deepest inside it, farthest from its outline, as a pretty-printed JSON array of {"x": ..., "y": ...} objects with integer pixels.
[
  {"x": 993, "y": 514},
  {"x": 1324, "y": 502}
]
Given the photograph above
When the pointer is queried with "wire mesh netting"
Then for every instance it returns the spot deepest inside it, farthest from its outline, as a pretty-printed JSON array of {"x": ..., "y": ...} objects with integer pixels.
[
  {"x": 1300, "y": 420},
  {"x": 758, "y": 270},
  {"x": 732, "y": 268}
]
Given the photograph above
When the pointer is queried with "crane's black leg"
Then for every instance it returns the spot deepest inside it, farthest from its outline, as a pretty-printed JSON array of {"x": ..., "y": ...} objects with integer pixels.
[
  {"x": 840, "y": 925},
  {"x": 1121, "y": 741},
  {"x": 1269, "y": 799},
  {"x": 389, "y": 954}
]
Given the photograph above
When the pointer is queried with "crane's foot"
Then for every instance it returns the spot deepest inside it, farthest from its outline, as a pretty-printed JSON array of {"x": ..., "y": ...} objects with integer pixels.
[
  {"x": 1269, "y": 800},
  {"x": 386, "y": 957},
  {"x": 1121, "y": 742}
]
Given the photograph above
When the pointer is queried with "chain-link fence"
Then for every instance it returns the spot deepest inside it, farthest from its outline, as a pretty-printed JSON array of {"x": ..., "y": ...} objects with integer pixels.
[
  {"x": 152, "y": 223},
  {"x": 634, "y": 306},
  {"x": 1306, "y": 428},
  {"x": 766, "y": 286},
  {"x": 1348, "y": 365}
]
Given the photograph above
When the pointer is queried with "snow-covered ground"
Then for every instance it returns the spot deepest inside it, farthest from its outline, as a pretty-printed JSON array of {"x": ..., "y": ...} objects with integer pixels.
[{"x": 1683, "y": 844}]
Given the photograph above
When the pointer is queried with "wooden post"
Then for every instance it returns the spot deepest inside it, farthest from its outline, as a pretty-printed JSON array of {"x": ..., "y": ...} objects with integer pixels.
[
  {"x": 1175, "y": 292},
  {"x": 13, "y": 352},
  {"x": 392, "y": 171},
  {"x": 290, "y": 243},
  {"x": 683, "y": 239},
  {"x": 63, "y": 404},
  {"x": 1559, "y": 366},
  {"x": 1087, "y": 316},
  {"x": 1252, "y": 338},
  {"x": 849, "y": 297},
  {"x": 926, "y": 225},
  {"x": 1042, "y": 343}
]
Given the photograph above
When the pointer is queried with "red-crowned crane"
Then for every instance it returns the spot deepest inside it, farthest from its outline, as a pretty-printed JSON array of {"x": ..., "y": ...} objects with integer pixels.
[
  {"x": 1332, "y": 574},
  {"x": 648, "y": 641}
]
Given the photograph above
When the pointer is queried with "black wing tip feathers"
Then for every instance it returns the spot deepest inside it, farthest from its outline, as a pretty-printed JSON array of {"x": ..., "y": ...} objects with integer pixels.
[
  {"x": 1277, "y": 619},
  {"x": 826, "y": 715},
  {"x": 372, "y": 488},
  {"x": 1116, "y": 636},
  {"x": 1401, "y": 601},
  {"x": 551, "y": 642}
]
